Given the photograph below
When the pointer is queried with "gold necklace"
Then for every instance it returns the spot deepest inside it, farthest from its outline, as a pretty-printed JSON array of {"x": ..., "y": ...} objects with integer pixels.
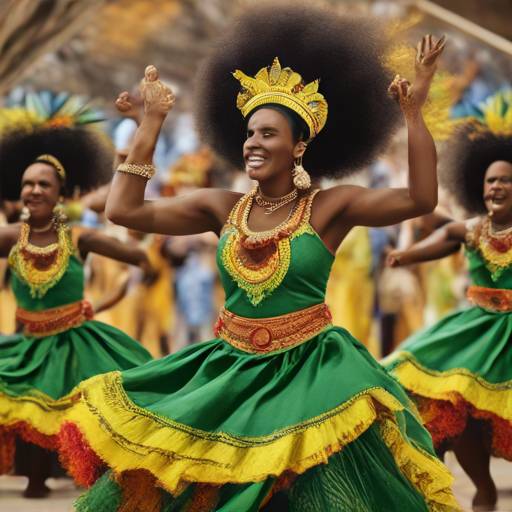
[
  {"x": 41, "y": 268},
  {"x": 259, "y": 260},
  {"x": 42, "y": 230},
  {"x": 272, "y": 205},
  {"x": 496, "y": 246},
  {"x": 254, "y": 239}
]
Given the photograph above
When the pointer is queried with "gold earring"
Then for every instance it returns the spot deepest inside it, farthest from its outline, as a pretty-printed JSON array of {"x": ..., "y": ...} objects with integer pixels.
[
  {"x": 490, "y": 214},
  {"x": 25, "y": 214},
  {"x": 58, "y": 214},
  {"x": 301, "y": 178}
]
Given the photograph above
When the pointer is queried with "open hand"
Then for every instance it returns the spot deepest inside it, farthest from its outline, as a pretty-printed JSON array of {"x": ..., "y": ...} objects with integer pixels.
[
  {"x": 412, "y": 98},
  {"x": 427, "y": 55}
]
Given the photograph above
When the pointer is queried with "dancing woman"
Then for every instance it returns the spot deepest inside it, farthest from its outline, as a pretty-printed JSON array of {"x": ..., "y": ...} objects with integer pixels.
[
  {"x": 60, "y": 345},
  {"x": 280, "y": 399},
  {"x": 459, "y": 370}
]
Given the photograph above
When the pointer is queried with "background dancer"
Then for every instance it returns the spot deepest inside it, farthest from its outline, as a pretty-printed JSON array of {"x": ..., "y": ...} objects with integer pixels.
[
  {"x": 458, "y": 371},
  {"x": 60, "y": 345}
]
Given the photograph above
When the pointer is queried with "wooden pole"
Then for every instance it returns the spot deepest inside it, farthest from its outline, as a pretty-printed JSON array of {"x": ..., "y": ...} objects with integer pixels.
[{"x": 468, "y": 27}]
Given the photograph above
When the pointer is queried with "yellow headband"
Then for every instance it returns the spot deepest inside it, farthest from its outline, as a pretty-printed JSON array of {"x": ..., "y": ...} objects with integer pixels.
[
  {"x": 283, "y": 86},
  {"x": 49, "y": 159}
]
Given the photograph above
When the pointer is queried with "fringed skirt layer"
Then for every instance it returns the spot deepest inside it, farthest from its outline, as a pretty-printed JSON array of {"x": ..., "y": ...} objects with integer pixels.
[
  {"x": 461, "y": 367},
  {"x": 37, "y": 377},
  {"x": 213, "y": 428}
]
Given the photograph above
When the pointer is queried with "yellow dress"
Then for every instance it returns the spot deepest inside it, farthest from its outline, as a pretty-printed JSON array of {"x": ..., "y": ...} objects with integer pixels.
[{"x": 351, "y": 289}]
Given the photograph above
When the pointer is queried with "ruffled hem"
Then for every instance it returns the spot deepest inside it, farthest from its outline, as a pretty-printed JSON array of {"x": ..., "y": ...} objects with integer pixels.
[
  {"x": 446, "y": 399},
  {"x": 127, "y": 438},
  {"x": 40, "y": 420},
  {"x": 98, "y": 426}
]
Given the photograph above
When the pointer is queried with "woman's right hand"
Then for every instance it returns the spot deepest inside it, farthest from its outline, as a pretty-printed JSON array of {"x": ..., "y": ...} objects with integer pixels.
[
  {"x": 394, "y": 259},
  {"x": 411, "y": 98}
]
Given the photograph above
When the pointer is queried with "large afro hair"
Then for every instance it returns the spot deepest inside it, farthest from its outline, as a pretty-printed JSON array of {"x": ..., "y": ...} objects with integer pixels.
[
  {"x": 346, "y": 53},
  {"x": 465, "y": 160},
  {"x": 86, "y": 154}
]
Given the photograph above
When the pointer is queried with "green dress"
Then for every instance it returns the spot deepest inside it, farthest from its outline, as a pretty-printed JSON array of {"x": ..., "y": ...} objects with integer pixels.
[
  {"x": 37, "y": 372},
  {"x": 462, "y": 365},
  {"x": 218, "y": 427}
]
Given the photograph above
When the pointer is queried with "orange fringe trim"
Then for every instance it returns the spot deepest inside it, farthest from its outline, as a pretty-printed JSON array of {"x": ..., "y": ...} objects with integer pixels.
[
  {"x": 75, "y": 455},
  {"x": 446, "y": 421},
  {"x": 139, "y": 491}
]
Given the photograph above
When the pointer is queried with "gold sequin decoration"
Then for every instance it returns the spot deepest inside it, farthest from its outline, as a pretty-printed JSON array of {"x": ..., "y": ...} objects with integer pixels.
[
  {"x": 496, "y": 248},
  {"x": 41, "y": 268},
  {"x": 259, "y": 261},
  {"x": 264, "y": 335}
]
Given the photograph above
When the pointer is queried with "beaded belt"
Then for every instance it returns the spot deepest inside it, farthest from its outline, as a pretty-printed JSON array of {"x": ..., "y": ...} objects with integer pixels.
[
  {"x": 38, "y": 324},
  {"x": 262, "y": 335},
  {"x": 490, "y": 298}
]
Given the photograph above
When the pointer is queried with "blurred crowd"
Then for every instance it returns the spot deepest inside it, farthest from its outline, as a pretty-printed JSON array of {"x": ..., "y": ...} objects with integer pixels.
[{"x": 379, "y": 305}]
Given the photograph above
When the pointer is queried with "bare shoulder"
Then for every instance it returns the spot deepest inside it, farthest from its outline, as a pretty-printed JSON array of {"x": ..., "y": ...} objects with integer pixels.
[
  {"x": 9, "y": 235},
  {"x": 216, "y": 201},
  {"x": 332, "y": 201},
  {"x": 340, "y": 193}
]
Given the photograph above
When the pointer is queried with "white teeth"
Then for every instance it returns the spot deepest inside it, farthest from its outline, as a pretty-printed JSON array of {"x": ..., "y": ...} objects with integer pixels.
[{"x": 256, "y": 159}]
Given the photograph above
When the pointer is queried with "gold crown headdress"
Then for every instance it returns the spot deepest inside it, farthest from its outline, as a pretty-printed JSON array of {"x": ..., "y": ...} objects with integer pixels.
[
  {"x": 285, "y": 87},
  {"x": 49, "y": 159}
]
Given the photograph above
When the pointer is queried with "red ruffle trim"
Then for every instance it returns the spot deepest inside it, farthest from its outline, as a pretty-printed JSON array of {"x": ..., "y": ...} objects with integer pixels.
[
  {"x": 75, "y": 454},
  {"x": 446, "y": 421},
  {"x": 77, "y": 457}
]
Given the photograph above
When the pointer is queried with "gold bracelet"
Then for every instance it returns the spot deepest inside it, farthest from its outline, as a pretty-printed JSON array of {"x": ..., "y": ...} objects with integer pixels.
[{"x": 146, "y": 170}]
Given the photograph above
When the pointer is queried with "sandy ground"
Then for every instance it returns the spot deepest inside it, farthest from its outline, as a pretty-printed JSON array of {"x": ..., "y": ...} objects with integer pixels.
[{"x": 65, "y": 492}]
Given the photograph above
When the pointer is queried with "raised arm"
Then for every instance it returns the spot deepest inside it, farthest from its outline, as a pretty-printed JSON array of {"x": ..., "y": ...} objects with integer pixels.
[
  {"x": 352, "y": 205},
  {"x": 441, "y": 243},
  {"x": 201, "y": 211}
]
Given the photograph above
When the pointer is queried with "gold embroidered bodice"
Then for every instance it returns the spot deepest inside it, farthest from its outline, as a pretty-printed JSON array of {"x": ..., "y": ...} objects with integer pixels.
[
  {"x": 490, "y": 254},
  {"x": 37, "y": 270},
  {"x": 281, "y": 270}
]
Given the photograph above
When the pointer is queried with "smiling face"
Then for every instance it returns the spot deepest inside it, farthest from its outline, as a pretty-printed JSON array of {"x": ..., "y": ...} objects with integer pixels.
[
  {"x": 498, "y": 191},
  {"x": 40, "y": 190},
  {"x": 269, "y": 149}
]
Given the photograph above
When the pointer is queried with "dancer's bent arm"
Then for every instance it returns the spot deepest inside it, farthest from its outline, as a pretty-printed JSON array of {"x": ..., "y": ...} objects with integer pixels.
[
  {"x": 346, "y": 206},
  {"x": 201, "y": 211},
  {"x": 441, "y": 243}
]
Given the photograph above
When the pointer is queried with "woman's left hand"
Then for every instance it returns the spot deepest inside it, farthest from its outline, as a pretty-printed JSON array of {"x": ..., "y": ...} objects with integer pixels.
[{"x": 412, "y": 98}]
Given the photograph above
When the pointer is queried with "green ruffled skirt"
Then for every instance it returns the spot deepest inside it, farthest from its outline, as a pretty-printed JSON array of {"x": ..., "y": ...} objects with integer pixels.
[
  {"x": 459, "y": 367},
  {"x": 36, "y": 373},
  {"x": 215, "y": 428}
]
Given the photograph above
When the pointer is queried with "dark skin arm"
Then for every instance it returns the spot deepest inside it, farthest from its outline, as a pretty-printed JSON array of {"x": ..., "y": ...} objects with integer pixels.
[
  {"x": 201, "y": 211},
  {"x": 441, "y": 243},
  {"x": 93, "y": 241},
  {"x": 340, "y": 208},
  {"x": 112, "y": 298},
  {"x": 8, "y": 237}
]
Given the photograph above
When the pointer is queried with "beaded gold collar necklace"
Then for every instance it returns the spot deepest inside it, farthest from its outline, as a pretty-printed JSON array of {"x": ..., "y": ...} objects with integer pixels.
[
  {"x": 259, "y": 261},
  {"x": 272, "y": 206},
  {"x": 496, "y": 246},
  {"x": 41, "y": 268}
]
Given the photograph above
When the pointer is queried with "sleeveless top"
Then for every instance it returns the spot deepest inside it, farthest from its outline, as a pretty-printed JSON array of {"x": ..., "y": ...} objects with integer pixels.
[
  {"x": 489, "y": 255},
  {"x": 276, "y": 272},
  {"x": 46, "y": 277}
]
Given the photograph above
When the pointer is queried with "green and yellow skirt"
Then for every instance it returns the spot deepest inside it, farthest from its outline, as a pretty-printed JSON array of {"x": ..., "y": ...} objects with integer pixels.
[
  {"x": 37, "y": 379},
  {"x": 222, "y": 425},
  {"x": 461, "y": 367}
]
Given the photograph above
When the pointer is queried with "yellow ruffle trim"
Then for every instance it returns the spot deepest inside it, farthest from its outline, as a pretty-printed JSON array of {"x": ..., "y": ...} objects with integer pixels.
[
  {"x": 128, "y": 437},
  {"x": 453, "y": 384},
  {"x": 38, "y": 410}
]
